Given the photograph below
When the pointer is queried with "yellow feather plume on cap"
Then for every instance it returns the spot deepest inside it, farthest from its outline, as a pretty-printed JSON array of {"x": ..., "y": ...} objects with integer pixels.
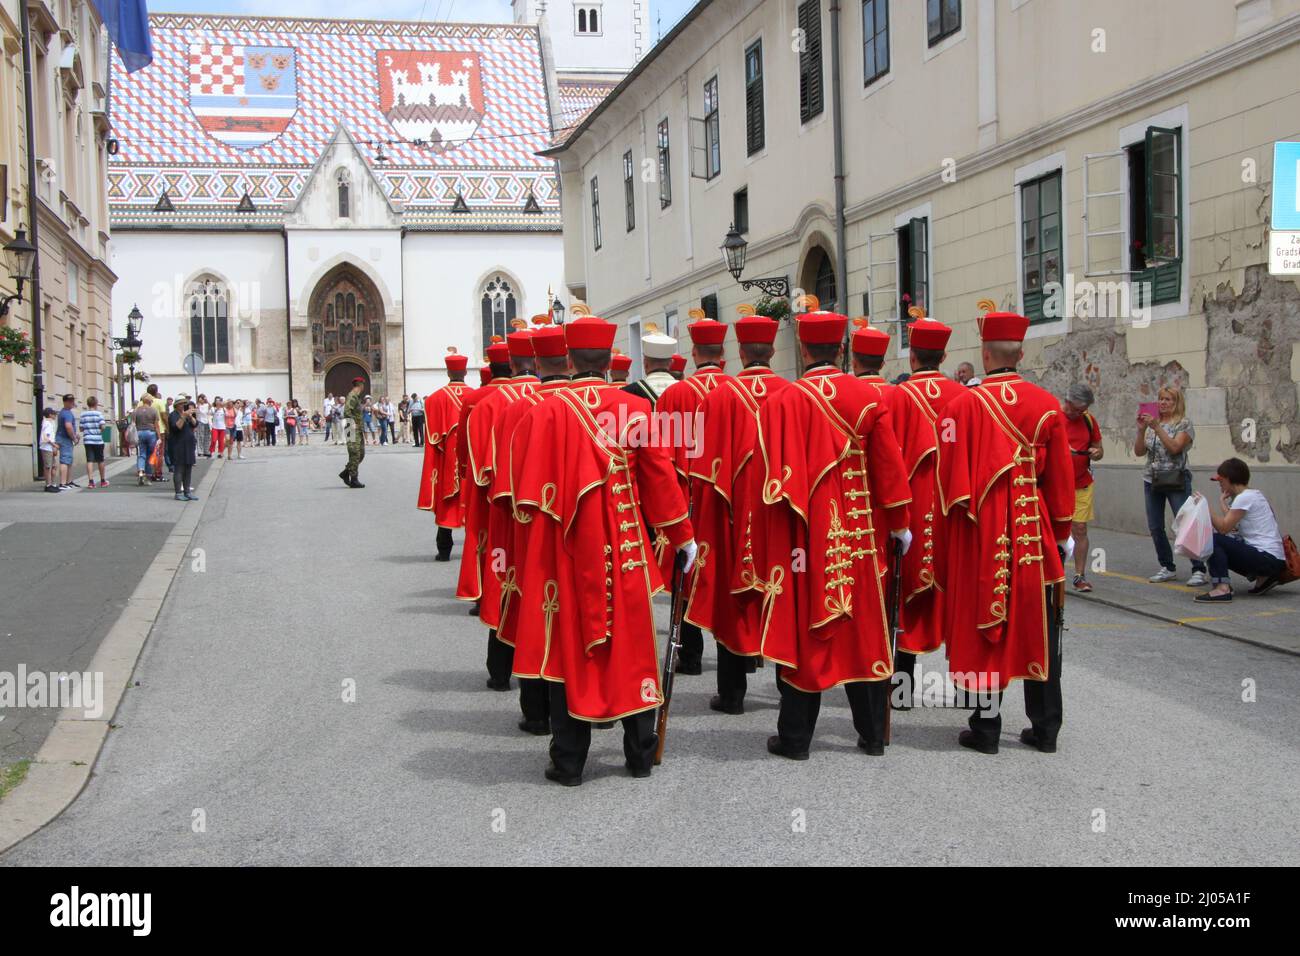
[
  {"x": 579, "y": 309},
  {"x": 696, "y": 314},
  {"x": 518, "y": 324},
  {"x": 744, "y": 310},
  {"x": 916, "y": 311},
  {"x": 986, "y": 305},
  {"x": 650, "y": 328}
]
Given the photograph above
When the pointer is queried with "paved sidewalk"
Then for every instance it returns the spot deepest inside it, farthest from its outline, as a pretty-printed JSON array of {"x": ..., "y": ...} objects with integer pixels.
[{"x": 1271, "y": 620}]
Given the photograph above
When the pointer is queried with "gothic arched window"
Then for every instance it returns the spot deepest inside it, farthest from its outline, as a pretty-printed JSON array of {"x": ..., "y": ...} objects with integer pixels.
[
  {"x": 209, "y": 321},
  {"x": 345, "y": 208},
  {"x": 498, "y": 308}
]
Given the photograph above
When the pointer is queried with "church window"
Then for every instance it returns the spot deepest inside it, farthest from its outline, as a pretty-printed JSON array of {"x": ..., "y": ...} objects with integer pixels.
[
  {"x": 498, "y": 308},
  {"x": 344, "y": 194},
  {"x": 588, "y": 20},
  {"x": 209, "y": 321}
]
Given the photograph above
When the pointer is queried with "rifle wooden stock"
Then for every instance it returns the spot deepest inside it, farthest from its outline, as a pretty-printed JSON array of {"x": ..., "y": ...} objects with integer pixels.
[{"x": 670, "y": 654}]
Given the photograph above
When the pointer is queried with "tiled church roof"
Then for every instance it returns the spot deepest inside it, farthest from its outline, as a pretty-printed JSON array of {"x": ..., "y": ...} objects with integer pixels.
[
  {"x": 577, "y": 99},
  {"x": 240, "y": 104}
]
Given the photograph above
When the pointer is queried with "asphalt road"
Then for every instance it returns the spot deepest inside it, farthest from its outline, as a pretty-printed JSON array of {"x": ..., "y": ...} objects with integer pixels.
[{"x": 238, "y": 746}]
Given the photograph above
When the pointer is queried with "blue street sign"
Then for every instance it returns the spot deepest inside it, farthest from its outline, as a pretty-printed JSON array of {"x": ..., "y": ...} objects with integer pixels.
[{"x": 1286, "y": 198}]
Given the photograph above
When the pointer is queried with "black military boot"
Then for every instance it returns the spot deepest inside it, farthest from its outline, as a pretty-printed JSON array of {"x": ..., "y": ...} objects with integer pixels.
[{"x": 346, "y": 476}]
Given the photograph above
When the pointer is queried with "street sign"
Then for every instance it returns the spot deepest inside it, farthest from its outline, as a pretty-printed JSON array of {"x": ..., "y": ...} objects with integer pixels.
[
  {"x": 1286, "y": 200},
  {"x": 1284, "y": 253},
  {"x": 193, "y": 364}
]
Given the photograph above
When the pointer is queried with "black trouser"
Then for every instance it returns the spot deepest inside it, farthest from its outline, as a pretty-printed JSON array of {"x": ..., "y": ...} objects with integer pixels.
[
  {"x": 269, "y": 432},
  {"x": 182, "y": 479},
  {"x": 417, "y": 426},
  {"x": 500, "y": 658},
  {"x": 571, "y": 737},
  {"x": 444, "y": 541},
  {"x": 732, "y": 669},
  {"x": 534, "y": 698},
  {"x": 1043, "y": 705},
  {"x": 903, "y": 689},
  {"x": 692, "y": 651},
  {"x": 799, "y": 709}
]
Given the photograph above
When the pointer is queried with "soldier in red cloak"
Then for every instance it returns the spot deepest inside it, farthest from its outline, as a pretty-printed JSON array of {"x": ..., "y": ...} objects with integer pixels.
[
  {"x": 917, "y": 412},
  {"x": 584, "y": 475},
  {"x": 528, "y": 543},
  {"x": 831, "y": 478},
  {"x": 723, "y": 598},
  {"x": 1008, "y": 496},
  {"x": 477, "y": 448},
  {"x": 440, "y": 474},
  {"x": 620, "y": 366},
  {"x": 677, "y": 412},
  {"x": 677, "y": 366}
]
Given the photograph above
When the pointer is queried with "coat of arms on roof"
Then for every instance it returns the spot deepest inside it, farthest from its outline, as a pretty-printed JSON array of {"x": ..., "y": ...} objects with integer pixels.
[
  {"x": 432, "y": 99},
  {"x": 243, "y": 96}
]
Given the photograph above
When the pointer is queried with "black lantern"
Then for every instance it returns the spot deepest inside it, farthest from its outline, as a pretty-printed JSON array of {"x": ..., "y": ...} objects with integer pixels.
[
  {"x": 734, "y": 248},
  {"x": 557, "y": 311},
  {"x": 21, "y": 258}
]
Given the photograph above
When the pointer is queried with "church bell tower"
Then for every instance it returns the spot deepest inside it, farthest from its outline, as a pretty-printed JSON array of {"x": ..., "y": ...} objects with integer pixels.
[{"x": 591, "y": 39}]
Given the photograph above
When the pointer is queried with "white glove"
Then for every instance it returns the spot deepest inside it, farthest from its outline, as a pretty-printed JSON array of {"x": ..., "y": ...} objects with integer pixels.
[
  {"x": 689, "y": 549},
  {"x": 904, "y": 539},
  {"x": 1068, "y": 547}
]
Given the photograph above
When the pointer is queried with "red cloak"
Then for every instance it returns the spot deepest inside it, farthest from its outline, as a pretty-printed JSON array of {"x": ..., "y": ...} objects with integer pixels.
[
  {"x": 440, "y": 474},
  {"x": 1008, "y": 498},
  {"x": 832, "y": 487}
]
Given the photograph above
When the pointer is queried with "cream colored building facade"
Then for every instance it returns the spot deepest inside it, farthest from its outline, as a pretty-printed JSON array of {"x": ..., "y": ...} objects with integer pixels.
[
  {"x": 977, "y": 136},
  {"x": 70, "y": 101}
]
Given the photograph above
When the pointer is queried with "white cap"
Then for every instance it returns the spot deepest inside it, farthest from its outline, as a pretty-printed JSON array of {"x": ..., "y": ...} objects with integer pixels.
[{"x": 656, "y": 345}]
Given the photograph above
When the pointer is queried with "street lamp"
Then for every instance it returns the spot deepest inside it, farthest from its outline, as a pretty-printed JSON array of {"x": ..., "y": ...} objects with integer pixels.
[
  {"x": 734, "y": 248},
  {"x": 131, "y": 341},
  {"x": 557, "y": 310},
  {"x": 21, "y": 256}
]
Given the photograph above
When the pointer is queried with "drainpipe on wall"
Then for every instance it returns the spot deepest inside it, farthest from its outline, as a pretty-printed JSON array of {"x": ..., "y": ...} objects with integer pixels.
[
  {"x": 837, "y": 121},
  {"x": 33, "y": 227},
  {"x": 288, "y": 311}
]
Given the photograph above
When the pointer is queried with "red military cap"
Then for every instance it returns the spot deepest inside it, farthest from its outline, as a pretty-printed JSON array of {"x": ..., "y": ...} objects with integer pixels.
[
  {"x": 520, "y": 344},
  {"x": 484, "y": 375},
  {"x": 707, "y": 332},
  {"x": 498, "y": 352},
  {"x": 456, "y": 362},
  {"x": 548, "y": 342},
  {"x": 822, "y": 328},
  {"x": 869, "y": 340},
  {"x": 927, "y": 333},
  {"x": 756, "y": 329},
  {"x": 590, "y": 332},
  {"x": 621, "y": 363},
  {"x": 677, "y": 363},
  {"x": 358, "y": 381},
  {"x": 1003, "y": 327}
]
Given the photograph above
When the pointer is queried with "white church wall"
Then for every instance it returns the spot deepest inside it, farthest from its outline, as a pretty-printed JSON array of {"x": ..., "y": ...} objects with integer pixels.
[
  {"x": 157, "y": 269},
  {"x": 445, "y": 276}
]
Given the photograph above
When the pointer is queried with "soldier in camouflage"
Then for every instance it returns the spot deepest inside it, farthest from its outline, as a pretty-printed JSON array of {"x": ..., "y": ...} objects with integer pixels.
[{"x": 356, "y": 436}]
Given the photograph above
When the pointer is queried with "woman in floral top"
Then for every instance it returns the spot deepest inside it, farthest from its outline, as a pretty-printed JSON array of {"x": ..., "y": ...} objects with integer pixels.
[{"x": 1165, "y": 441}]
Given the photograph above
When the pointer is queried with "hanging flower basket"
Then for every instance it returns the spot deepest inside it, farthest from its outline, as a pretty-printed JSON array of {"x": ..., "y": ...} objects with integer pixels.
[{"x": 15, "y": 346}]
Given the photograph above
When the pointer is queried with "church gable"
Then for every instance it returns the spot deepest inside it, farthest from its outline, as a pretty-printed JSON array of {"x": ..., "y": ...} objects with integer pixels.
[
  {"x": 433, "y": 111},
  {"x": 342, "y": 192}
]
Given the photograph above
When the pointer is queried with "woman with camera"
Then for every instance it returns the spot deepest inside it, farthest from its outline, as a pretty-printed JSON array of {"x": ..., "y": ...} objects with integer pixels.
[
  {"x": 182, "y": 443},
  {"x": 1165, "y": 439}
]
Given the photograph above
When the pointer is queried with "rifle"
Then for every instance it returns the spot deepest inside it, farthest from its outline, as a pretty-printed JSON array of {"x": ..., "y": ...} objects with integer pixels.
[
  {"x": 671, "y": 653},
  {"x": 895, "y": 627}
]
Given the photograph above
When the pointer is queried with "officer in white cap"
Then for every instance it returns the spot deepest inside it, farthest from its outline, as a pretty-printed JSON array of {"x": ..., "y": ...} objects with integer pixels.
[{"x": 656, "y": 353}]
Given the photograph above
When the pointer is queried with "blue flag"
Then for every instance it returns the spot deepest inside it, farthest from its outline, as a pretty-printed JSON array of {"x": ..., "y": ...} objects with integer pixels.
[{"x": 128, "y": 26}]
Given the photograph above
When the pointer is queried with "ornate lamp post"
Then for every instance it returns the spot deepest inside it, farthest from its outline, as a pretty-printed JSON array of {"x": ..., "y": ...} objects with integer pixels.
[
  {"x": 557, "y": 310},
  {"x": 21, "y": 255},
  {"x": 734, "y": 248},
  {"x": 130, "y": 343}
]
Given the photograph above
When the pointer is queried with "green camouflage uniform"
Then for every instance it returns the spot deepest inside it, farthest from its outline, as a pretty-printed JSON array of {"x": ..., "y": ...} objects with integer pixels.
[{"x": 356, "y": 436}]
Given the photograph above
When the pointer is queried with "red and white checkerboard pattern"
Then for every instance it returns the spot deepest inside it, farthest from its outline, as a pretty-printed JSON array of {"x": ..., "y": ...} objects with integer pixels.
[
  {"x": 161, "y": 140},
  {"x": 216, "y": 68}
]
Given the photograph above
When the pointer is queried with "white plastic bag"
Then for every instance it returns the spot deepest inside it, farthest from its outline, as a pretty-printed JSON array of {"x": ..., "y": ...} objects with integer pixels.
[{"x": 1193, "y": 532}]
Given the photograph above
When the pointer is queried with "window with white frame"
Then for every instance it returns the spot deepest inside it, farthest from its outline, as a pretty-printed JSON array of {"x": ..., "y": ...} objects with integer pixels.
[
  {"x": 811, "y": 98},
  {"x": 209, "y": 321},
  {"x": 755, "y": 134},
  {"x": 942, "y": 20},
  {"x": 587, "y": 19},
  {"x": 595, "y": 212},
  {"x": 712, "y": 130},
  {"x": 629, "y": 192},
  {"x": 343, "y": 183},
  {"x": 1040, "y": 242},
  {"x": 913, "y": 271},
  {"x": 875, "y": 40},
  {"x": 665, "y": 167}
]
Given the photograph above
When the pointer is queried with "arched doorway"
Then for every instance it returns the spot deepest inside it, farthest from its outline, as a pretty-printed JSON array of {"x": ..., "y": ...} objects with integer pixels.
[
  {"x": 818, "y": 277},
  {"x": 338, "y": 380}
]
